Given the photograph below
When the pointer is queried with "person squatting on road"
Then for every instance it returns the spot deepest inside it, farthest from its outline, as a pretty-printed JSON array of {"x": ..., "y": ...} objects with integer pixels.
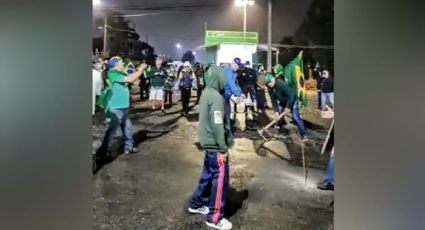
[
  {"x": 283, "y": 98},
  {"x": 232, "y": 91},
  {"x": 215, "y": 138},
  {"x": 157, "y": 75},
  {"x": 118, "y": 104},
  {"x": 186, "y": 81}
]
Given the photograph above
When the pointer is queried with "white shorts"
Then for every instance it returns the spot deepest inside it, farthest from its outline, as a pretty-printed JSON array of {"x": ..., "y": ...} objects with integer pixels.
[{"x": 156, "y": 94}]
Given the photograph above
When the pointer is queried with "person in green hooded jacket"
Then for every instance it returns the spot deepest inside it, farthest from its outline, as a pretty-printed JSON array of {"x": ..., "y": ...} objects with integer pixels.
[{"x": 215, "y": 138}]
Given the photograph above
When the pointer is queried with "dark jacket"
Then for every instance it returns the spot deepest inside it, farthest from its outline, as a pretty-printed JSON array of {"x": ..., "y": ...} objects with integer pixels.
[
  {"x": 199, "y": 72},
  {"x": 327, "y": 85},
  {"x": 282, "y": 94},
  {"x": 213, "y": 131},
  {"x": 247, "y": 77}
]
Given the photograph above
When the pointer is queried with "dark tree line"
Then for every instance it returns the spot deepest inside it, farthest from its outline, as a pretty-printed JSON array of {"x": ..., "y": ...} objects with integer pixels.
[
  {"x": 317, "y": 28},
  {"x": 123, "y": 39}
]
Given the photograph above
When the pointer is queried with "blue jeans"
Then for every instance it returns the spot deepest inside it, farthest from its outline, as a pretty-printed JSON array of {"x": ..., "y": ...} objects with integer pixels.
[
  {"x": 212, "y": 187},
  {"x": 327, "y": 99},
  {"x": 296, "y": 117},
  {"x": 330, "y": 177},
  {"x": 119, "y": 118}
]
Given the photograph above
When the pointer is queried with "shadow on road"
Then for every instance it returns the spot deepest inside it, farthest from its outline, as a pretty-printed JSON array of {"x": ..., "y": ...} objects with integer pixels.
[
  {"x": 235, "y": 201},
  {"x": 104, "y": 157}
]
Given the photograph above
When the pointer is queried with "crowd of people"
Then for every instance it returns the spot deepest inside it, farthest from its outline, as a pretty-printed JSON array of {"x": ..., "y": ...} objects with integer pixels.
[{"x": 219, "y": 89}]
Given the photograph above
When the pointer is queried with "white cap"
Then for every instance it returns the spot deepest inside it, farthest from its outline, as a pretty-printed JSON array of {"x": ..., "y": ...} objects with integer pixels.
[{"x": 186, "y": 64}]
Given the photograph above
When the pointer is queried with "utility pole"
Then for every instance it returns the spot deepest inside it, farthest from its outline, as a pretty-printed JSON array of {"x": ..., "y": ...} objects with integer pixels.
[
  {"x": 269, "y": 38},
  {"x": 105, "y": 33},
  {"x": 244, "y": 22},
  {"x": 277, "y": 57}
]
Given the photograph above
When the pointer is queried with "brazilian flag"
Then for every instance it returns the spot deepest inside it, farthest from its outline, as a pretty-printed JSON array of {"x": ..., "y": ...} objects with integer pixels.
[
  {"x": 295, "y": 77},
  {"x": 103, "y": 98}
]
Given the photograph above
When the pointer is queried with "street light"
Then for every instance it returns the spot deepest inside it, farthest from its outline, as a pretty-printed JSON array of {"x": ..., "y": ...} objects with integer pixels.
[
  {"x": 244, "y": 3},
  {"x": 105, "y": 27}
]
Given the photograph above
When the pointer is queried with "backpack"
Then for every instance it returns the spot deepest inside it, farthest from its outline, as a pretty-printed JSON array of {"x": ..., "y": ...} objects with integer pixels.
[{"x": 186, "y": 81}]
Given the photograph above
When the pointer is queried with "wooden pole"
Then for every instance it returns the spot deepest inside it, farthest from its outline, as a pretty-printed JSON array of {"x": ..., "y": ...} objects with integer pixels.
[{"x": 327, "y": 137}]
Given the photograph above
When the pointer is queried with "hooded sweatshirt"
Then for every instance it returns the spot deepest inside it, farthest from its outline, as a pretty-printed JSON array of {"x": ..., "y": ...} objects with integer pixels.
[{"x": 213, "y": 132}]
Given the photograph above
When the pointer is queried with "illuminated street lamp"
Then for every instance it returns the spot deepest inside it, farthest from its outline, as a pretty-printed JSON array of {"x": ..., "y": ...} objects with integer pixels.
[
  {"x": 244, "y": 3},
  {"x": 105, "y": 27}
]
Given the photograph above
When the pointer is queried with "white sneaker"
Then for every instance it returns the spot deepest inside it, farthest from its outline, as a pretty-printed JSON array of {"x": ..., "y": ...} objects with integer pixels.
[
  {"x": 223, "y": 224},
  {"x": 202, "y": 210}
]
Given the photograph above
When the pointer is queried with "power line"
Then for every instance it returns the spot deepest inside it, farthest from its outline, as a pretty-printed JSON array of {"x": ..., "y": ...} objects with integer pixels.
[
  {"x": 182, "y": 7},
  {"x": 303, "y": 46}
]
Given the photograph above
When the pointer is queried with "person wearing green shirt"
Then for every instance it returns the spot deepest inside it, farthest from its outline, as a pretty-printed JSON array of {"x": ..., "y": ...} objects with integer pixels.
[
  {"x": 157, "y": 75},
  {"x": 118, "y": 102},
  {"x": 283, "y": 97}
]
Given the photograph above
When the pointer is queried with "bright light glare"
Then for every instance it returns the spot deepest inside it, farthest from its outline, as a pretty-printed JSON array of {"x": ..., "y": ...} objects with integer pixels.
[
  {"x": 244, "y": 2},
  {"x": 178, "y": 46},
  {"x": 194, "y": 53},
  {"x": 96, "y": 2}
]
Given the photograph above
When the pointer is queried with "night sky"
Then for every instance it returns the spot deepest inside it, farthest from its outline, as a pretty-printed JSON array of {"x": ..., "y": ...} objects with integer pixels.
[{"x": 166, "y": 29}]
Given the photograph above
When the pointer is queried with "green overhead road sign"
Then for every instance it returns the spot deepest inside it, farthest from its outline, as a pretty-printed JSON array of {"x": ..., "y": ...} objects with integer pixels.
[{"x": 230, "y": 37}]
